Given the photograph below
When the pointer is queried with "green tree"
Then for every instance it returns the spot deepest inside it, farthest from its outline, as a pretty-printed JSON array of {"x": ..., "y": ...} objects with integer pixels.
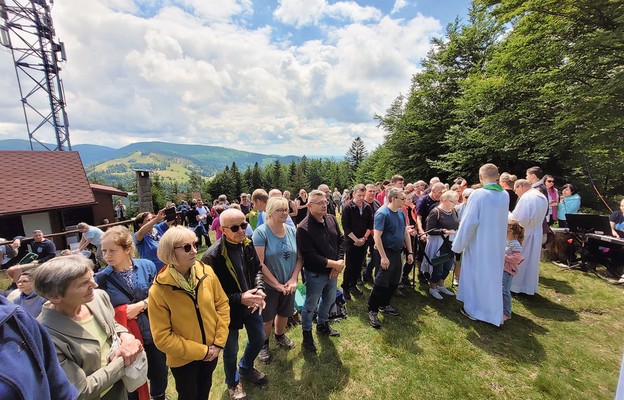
[{"x": 356, "y": 153}]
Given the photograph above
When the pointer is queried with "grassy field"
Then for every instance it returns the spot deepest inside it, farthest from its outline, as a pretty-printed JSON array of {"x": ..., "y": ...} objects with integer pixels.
[{"x": 565, "y": 343}]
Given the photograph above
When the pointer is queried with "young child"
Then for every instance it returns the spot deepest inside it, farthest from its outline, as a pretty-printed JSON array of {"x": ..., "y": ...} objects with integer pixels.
[{"x": 513, "y": 258}]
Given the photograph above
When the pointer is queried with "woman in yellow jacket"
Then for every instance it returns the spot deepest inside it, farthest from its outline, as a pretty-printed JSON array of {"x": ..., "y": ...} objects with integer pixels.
[{"x": 189, "y": 314}]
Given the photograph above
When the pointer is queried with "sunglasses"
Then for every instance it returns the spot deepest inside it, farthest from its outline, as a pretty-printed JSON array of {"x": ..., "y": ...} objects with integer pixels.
[
  {"x": 235, "y": 228},
  {"x": 187, "y": 247},
  {"x": 550, "y": 181}
]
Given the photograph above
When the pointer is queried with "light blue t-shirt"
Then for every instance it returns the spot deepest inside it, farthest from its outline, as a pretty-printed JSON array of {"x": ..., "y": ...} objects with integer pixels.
[
  {"x": 95, "y": 234},
  {"x": 280, "y": 254}
]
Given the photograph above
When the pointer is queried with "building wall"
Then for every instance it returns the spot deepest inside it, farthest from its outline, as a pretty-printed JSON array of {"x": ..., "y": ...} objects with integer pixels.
[{"x": 104, "y": 208}]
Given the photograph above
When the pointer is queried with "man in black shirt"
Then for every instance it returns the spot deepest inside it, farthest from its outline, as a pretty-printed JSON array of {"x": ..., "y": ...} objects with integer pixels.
[
  {"x": 321, "y": 244},
  {"x": 357, "y": 222},
  {"x": 371, "y": 192}
]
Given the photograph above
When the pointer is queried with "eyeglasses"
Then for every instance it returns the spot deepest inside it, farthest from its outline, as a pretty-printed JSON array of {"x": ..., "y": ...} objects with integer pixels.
[
  {"x": 235, "y": 228},
  {"x": 187, "y": 247},
  {"x": 282, "y": 210},
  {"x": 400, "y": 198},
  {"x": 320, "y": 203}
]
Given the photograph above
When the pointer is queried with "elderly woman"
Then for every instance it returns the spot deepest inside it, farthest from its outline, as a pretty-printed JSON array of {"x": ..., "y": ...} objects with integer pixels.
[
  {"x": 127, "y": 280},
  {"x": 569, "y": 203},
  {"x": 28, "y": 298},
  {"x": 276, "y": 246},
  {"x": 188, "y": 313},
  {"x": 442, "y": 223},
  {"x": 81, "y": 321}
]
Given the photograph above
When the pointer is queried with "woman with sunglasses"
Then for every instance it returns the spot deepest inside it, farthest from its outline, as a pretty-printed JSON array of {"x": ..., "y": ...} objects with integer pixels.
[
  {"x": 189, "y": 314},
  {"x": 127, "y": 281},
  {"x": 553, "y": 199}
]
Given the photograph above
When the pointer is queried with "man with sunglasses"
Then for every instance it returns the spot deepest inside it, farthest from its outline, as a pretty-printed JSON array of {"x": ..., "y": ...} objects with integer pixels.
[
  {"x": 321, "y": 244},
  {"x": 235, "y": 262}
]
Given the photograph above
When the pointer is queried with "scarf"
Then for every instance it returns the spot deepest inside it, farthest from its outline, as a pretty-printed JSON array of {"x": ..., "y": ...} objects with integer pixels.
[{"x": 493, "y": 186}]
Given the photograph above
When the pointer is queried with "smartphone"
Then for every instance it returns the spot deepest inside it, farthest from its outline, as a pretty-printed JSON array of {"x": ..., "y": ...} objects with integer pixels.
[{"x": 170, "y": 214}]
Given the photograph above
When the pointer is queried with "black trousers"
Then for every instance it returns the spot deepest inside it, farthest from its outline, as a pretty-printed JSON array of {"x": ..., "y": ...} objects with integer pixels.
[
  {"x": 380, "y": 297},
  {"x": 355, "y": 257},
  {"x": 194, "y": 380}
]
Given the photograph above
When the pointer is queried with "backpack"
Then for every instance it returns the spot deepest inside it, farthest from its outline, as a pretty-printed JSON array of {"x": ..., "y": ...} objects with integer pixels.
[{"x": 338, "y": 310}]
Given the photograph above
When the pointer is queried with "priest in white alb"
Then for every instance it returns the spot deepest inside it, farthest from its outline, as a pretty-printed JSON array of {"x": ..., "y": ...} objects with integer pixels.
[
  {"x": 530, "y": 212},
  {"x": 481, "y": 237}
]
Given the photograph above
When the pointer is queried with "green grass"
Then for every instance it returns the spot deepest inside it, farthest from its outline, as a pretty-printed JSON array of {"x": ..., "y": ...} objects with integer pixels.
[{"x": 565, "y": 343}]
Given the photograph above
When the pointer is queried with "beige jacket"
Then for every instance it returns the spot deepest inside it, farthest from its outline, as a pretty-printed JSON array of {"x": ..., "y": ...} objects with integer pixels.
[{"x": 79, "y": 352}]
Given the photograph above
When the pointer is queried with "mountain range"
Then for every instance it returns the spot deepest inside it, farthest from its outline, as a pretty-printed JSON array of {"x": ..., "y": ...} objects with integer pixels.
[{"x": 170, "y": 160}]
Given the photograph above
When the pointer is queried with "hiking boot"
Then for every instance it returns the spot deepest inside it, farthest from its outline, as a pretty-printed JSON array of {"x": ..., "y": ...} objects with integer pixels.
[
  {"x": 237, "y": 392},
  {"x": 308, "y": 342},
  {"x": 253, "y": 375},
  {"x": 347, "y": 294},
  {"x": 389, "y": 310},
  {"x": 355, "y": 290},
  {"x": 284, "y": 341},
  {"x": 373, "y": 319},
  {"x": 325, "y": 329},
  {"x": 265, "y": 354}
]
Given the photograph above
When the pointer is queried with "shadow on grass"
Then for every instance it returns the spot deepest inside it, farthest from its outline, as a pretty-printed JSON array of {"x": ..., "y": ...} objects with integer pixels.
[
  {"x": 515, "y": 340},
  {"x": 544, "y": 308},
  {"x": 558, "y": 286}
]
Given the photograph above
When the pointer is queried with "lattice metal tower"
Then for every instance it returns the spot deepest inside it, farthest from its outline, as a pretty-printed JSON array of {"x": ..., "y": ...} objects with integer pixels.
[{"x": 26, "y": 28}]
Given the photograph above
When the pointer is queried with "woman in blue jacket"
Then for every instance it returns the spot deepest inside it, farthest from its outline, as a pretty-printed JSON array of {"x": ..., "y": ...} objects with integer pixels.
[
  {"x": 569, "y": 203},
  {"x": 127, "y": 281}
]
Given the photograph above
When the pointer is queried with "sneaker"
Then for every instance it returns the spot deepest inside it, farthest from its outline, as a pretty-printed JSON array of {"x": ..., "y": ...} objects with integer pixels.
[
  {"x": 444, "y": 290},
  {"x": 325, "y": 329},
  {"x": 265, "y": 354},
  {"x": 308, "y": 342},
  {"x": 422, "y": 278},
  {"x": 406, "y": 281},
  {"x": 463, "y": 311},
  {"x": 253, "y": 375},
  {"x": 237, "y": 392},
  {"x": 284, "y": 341},
  {"x": 389, "y": 310},
  {"x": 347, "y": 294},
  {"x": 373, "y": 319},
  {"x": 400, "y": 287},
  {"x": 355, "y": 290},
  {"x": 435, "y": 293},
  {"x": 455, "y": 282}
]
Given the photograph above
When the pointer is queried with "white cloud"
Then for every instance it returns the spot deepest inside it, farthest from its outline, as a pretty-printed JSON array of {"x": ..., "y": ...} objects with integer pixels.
[
  {"x": 298, "y": 13},
  {"x": 398, "y": 6},
  {"x": 194, "y": 75}
]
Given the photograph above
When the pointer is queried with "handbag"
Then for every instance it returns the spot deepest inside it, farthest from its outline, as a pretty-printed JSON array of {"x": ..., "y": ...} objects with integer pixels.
[
  {"x": 135, "y": 374},
  {"x": 441, "y": 258}
]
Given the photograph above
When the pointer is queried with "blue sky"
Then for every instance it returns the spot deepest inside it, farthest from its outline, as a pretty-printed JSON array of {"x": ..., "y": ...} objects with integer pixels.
[{"x": 269, "y": 76}]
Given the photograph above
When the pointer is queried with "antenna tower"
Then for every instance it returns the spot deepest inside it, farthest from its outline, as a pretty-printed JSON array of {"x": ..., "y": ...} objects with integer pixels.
[{"x": 26, "y": 28}]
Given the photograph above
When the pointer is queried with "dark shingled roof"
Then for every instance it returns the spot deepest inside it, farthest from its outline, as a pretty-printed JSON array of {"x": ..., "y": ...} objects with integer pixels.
[
  {"x": 108, "y": 189},
  {"x": 37, "y": 181}
]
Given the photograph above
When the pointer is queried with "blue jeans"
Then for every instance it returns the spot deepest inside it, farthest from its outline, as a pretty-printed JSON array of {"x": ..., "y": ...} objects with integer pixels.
[
  {"x": 507, "y": 278},
  {"x": 255, "y": 340},
  {"x": 318, "y": 286}
]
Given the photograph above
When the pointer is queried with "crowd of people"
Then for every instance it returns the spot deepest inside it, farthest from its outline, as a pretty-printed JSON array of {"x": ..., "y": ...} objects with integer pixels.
[{"x": 154, "y": 299}]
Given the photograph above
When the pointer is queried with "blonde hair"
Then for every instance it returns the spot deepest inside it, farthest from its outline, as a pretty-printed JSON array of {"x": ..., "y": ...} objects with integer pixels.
[
  {"x": 449, "y": 195},
  {"x": 275, "y": 203},
  {"x": 175, "y": 236},
  {"x": 121, "y": 236}
]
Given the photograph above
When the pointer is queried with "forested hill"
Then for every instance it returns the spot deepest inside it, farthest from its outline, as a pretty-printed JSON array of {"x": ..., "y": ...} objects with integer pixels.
[{"x": 171, "y": 160}]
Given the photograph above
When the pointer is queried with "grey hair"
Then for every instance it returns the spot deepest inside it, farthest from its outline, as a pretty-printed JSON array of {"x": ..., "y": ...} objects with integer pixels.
[
  {"x": 393, "y": 193},
  {"x": 53, "y": 277}
]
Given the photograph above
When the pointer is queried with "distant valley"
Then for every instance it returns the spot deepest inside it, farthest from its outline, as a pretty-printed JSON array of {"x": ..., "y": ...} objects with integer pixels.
[{"x": 173, "y": 162}]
